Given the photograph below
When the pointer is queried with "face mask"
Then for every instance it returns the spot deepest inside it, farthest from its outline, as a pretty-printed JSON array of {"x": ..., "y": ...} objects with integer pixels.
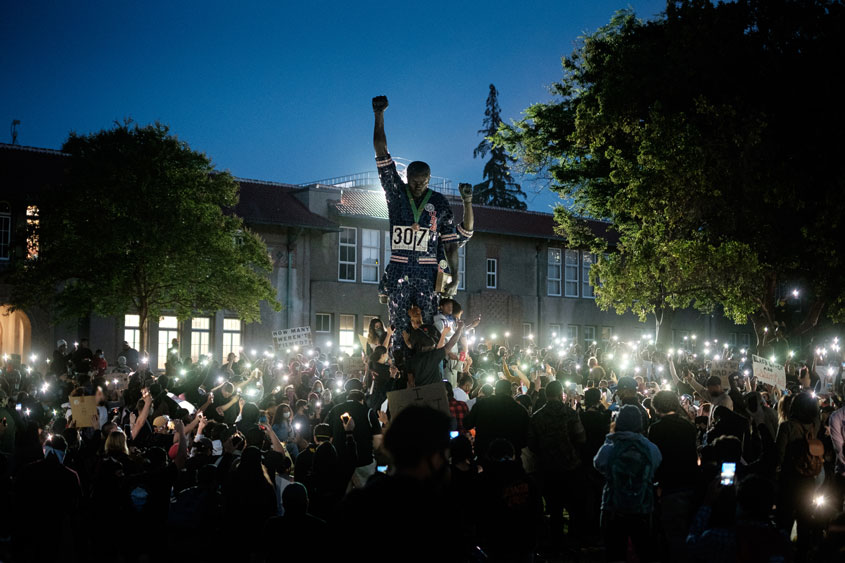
[
  {"x": 285, "y": 415},
  {"x": 59, "y": 453}
]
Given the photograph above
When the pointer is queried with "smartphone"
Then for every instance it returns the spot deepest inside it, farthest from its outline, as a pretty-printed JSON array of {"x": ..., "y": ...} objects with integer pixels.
[
  {"x": 18, "y": 407},
  {"x": 345, "y": 417},
  {"x": 728, "y": 474},
  {"x": 382, "y": 469},
  {"x": 454, "y": 434},
  {"x": 262, "y": 427}
]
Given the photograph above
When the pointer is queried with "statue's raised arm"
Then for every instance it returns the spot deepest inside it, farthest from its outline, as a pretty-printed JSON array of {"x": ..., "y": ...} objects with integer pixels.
[{"x": 379, "y": 138}]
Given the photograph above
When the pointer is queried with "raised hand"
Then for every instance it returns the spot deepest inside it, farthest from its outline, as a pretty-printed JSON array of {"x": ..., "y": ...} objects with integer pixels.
[
  {"x": 465, "y": 191},
  {"x": 380, "y": 104}
]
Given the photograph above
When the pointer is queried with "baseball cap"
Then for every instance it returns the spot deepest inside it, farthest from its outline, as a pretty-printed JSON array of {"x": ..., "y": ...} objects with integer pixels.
[
  {"x": 161, "y": 421},
  {"x": 626, "y": 382}
]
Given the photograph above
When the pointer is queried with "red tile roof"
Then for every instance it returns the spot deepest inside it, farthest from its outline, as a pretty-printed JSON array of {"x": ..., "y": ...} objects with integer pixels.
[
  {"x": 271, "y": 203},
  {"x": 496, "y": 220}
]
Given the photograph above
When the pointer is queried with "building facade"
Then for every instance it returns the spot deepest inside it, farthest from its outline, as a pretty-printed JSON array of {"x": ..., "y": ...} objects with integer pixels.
[{"x": 329, "y": 245}]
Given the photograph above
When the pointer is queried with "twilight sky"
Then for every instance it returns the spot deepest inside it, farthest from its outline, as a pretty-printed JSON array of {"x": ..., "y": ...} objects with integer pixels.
[{"x": 281, "y": 90}]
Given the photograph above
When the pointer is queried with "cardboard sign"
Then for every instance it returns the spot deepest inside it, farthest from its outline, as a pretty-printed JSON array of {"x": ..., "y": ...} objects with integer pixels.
[
  {"x": 723, "y": 370},
  {"x": 432, "y": 395},
  {"x": 290, "y": 337},
  {"x": 768, "y": 372},
  {"x": 83, "y": 408}
]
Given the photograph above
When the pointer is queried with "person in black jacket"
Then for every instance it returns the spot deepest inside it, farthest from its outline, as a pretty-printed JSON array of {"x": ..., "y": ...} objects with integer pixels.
[
  {"x": 499, "y": 416},
  {"x": 675, "y": 436},
  {"x": 366, "y": 426}
]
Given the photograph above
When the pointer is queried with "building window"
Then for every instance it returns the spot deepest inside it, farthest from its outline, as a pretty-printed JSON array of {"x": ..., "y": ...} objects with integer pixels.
[
  {"x": 168, "y": 329},
  {"x": 462, "y": 267},
  {"x": 369, "y": 255},
  {"x": 587, "y": 261},
  {"x": 32, "y": 224},
  {"x": 572, "y": 333},
  {"x": 200, "y": 337},
  {"x": 132, "y": 330},
  {"x": 554, "y": 334},
  {"x": 347, "y": 259},
  {"x": 5, "y": 230},
  {"x": 571, "y": 273},
  {"x": 324, "y": 322},
  {"x": 527, "y": 333},
  {"x": 589, "y": 336},
  {"x": 553, "y": 273},
  {"x": 606, "y": 336},
  {"x": 745, "y": 340},
  {"x": 231, "y": 337},
  {"x": 347, "y": 334},
  {"x": 367, "y": 320},
  {"x": 492, "y": 268}
]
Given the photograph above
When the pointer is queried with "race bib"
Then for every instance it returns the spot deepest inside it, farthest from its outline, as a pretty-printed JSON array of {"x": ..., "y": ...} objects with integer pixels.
[{"x": 406, "y": 238}]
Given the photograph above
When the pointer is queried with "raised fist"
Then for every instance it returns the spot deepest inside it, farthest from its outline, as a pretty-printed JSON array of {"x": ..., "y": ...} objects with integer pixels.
[
  {"x": 465, "y": 190},
  {"x": 379, "y": 104}
]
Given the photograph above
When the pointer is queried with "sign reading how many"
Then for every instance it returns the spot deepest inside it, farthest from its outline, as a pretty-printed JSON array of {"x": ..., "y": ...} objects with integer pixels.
[{"x": 290, "y": 337}]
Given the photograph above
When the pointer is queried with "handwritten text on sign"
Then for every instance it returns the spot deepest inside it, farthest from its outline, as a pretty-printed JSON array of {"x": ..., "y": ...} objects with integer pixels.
[
  {"x": 433, "y": 395},
  {"x": 768, "y": 372},
  {"x": 300, "y": 336}
]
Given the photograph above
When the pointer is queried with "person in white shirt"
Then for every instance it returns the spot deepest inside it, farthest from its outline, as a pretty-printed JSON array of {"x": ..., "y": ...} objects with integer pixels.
[{"x": 463, "y": 389}]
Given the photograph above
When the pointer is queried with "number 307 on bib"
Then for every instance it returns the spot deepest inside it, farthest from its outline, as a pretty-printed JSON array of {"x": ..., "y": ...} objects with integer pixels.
[{"x": 406, "y": 238}]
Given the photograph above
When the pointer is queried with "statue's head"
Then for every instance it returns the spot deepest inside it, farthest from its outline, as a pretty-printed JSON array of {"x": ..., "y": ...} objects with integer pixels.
[{"x": 419, "y": 175}]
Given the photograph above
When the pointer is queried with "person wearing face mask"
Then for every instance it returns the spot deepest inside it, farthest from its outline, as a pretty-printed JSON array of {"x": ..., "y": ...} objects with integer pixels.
[
  {"x": 282, "y": 425},
  {"x": 99, "y": 362},
  {"x": 413, "y": 491}
]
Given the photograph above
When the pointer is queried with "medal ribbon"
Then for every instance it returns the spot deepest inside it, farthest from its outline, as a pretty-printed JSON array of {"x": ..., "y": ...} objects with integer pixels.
[{"x": 417, "y": 211}]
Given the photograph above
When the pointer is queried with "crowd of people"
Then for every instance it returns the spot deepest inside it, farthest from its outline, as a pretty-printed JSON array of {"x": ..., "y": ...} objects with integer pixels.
[{"x": 570, "y": 451}]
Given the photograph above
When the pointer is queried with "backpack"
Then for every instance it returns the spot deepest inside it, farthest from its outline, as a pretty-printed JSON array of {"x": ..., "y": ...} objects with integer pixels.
[
  {"x": 629, "y": 483},
  {"x": 809, "y": 462}
]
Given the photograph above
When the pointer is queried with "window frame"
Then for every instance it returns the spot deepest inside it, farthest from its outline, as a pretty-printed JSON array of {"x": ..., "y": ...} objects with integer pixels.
[
  {"x": 350, "y": 266},
  {"x": 317, "y": 317},
  {"x": 197, "y": 347},
  {"x": 551, "y": 279},
  {"x": 343, "y": 333},
  {"x": 169, "y": 333},
  {"x": 135, "y": 328},
  {"x": 587, "y": 289},
  {"x": 567, "y": 266},
  {"x": 494, "y": 273},
  {"x": 228, "y": 344},
  {"x": 365, "y": 248}
]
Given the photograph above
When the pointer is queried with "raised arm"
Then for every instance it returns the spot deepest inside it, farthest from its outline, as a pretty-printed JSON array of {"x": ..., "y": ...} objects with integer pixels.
[
  {"x": 379, "y": 138},
  {"x": 466, "y": 196}
]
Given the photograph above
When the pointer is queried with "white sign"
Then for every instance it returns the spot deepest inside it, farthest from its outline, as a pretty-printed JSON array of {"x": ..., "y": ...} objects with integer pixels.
[
  {"x": 432, "y": 395},
  {"x": 768, "y": 372},
  {"x": 406, "y": 238},
  {"x": 723, "y": 369},
  {"x": 300, "y": 336},
  {"x": 827, "y": 374}
]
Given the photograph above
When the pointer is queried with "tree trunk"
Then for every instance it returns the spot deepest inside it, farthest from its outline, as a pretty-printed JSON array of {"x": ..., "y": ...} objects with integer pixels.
[
  {"x": 144, "y": 330},
  {"x": 663, "y": 327}
]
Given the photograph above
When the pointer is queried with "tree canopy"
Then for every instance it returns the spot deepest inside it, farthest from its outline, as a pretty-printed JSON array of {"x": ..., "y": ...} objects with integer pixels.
[
  {"x": 710, "y": 138},
  {"x": 498, "y": 188},
  {"x": 141, "y": 224}
]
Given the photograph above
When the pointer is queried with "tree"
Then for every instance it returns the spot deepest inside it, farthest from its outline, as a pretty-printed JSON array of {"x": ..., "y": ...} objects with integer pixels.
[
  {"x": 710, "y": 139},
  {"x": 498, "y": 188},
  {"x": 139, "y": 226}
]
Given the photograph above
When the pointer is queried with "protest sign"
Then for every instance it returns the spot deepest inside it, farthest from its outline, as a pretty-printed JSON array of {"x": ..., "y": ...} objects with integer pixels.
[
  {"x": 827, "y": 374},
  {"x": 290, "y": 337},
  {"x": 432, "y": 395},
  {"x": 83, "y": 408},
  {"x": 768, "y": 372},
  {"x": 723, "y": 369}
]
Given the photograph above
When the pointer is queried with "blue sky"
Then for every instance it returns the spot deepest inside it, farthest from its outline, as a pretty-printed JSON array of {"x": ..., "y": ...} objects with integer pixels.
[{"x": 281, "y": 90}]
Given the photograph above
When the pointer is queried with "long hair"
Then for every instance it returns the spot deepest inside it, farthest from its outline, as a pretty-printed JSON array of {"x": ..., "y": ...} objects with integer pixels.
[
  {"x": 116, "y": 443},
  {"x": 374, "y": 338}
]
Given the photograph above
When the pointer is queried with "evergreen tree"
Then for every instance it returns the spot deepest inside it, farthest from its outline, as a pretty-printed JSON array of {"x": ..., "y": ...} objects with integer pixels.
[{"x": 498, "y": 187}]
